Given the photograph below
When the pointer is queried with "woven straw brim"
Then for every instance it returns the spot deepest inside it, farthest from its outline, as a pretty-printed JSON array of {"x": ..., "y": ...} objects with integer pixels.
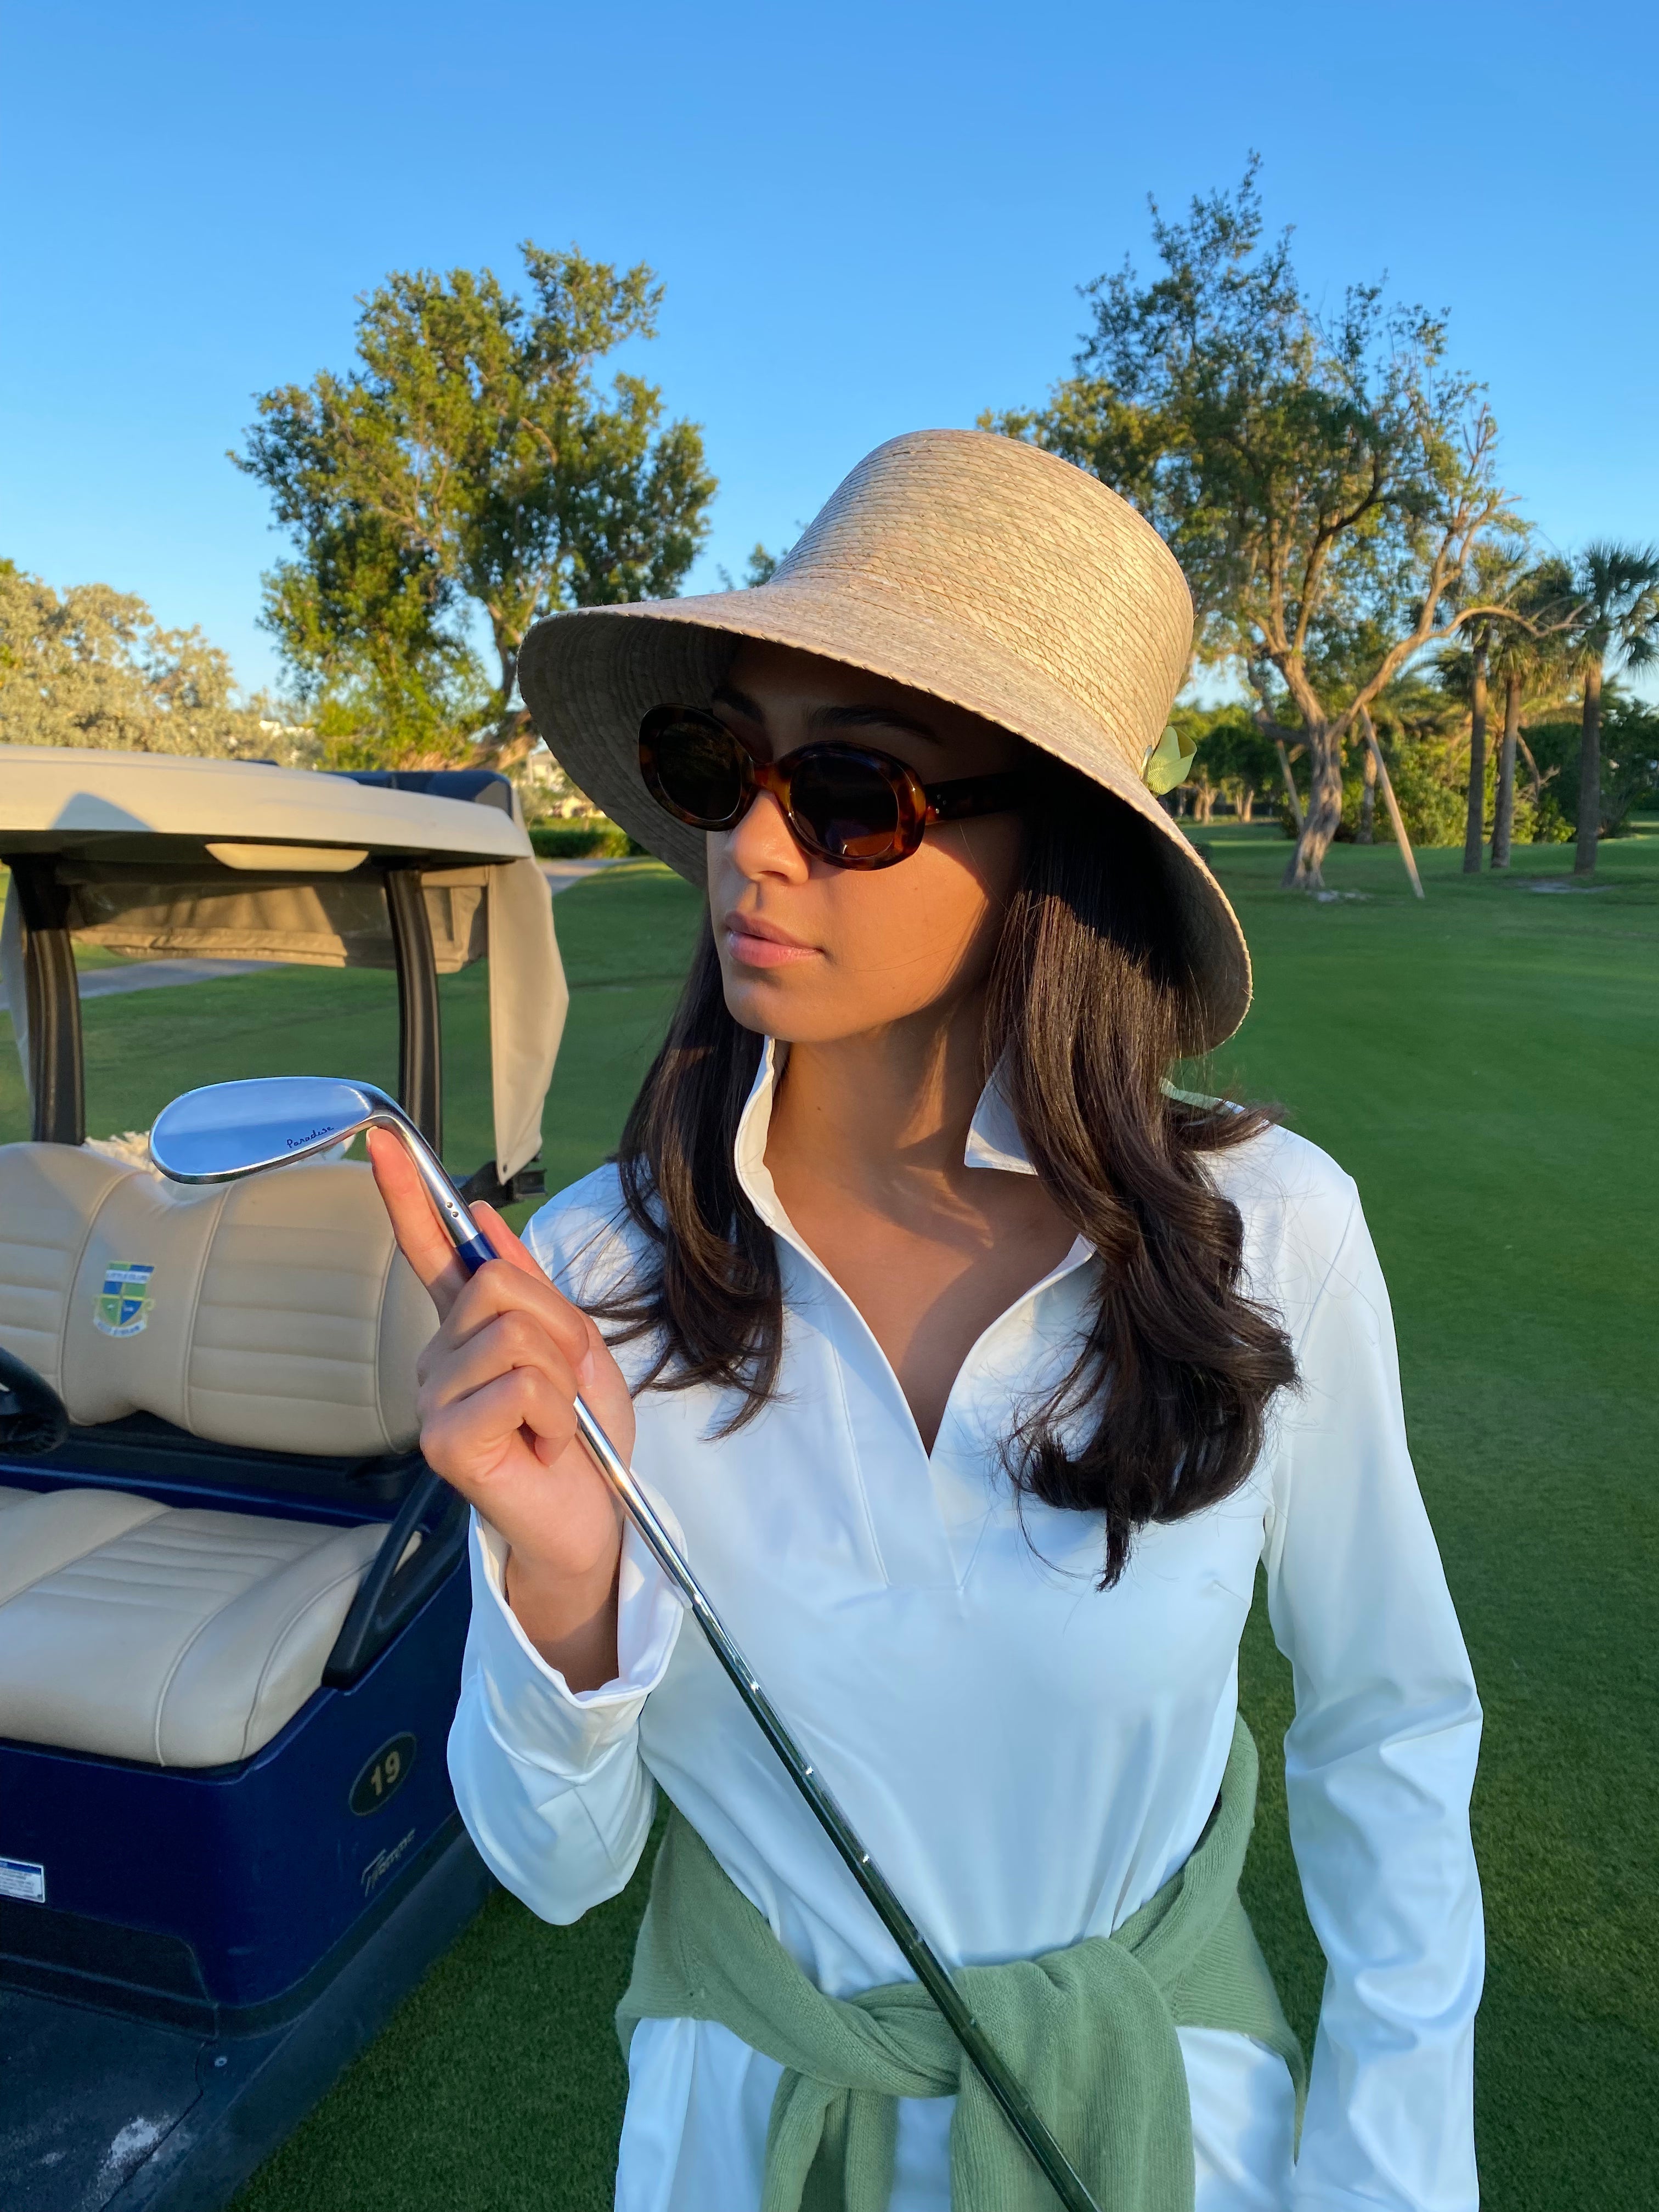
[{"x": 588, "y": 677}]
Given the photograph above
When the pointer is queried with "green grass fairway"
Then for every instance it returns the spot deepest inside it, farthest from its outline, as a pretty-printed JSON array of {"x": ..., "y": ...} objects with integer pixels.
[{"x": 1484, "y": 1063}]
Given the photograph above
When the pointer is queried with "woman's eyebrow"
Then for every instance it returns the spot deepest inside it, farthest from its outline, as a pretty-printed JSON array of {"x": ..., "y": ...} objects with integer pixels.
[
  {"x": 870, "y": 718},
  {"x": 727, "y": 695}
]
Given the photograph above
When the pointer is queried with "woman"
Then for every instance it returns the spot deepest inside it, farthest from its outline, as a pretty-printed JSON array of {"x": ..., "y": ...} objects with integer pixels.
[{"x": 980, "y": 1368}]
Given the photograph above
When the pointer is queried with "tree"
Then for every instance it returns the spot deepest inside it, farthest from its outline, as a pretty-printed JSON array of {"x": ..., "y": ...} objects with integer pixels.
[
  {"x": 94, "y": 667},
  {"x": 759, "y": 568},
  {"x": 1524, "y": 656},
  {"x": 1234, "y": 759},
  {"x": 467, "y": 471},
  {"x": 1618, "y": 590},
  {"x": 1465, "y": 670},
  {"x": 1309, "y": 475}
]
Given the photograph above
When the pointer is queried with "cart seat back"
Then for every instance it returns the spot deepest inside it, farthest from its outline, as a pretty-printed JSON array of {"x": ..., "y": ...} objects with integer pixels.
[{"x": 276, "y": 1313}]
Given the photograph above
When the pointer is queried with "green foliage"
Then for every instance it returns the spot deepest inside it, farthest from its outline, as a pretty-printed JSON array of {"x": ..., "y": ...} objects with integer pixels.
[
  {"x": 94, "y": 667},
  {"x": 1236, "y": 762},
  {"x": 1617, "y": 587},
  {"x": 760, "y": 568},
  {"x": 1425, "y": 745},
  {"x": 1430, "y": 785},
  {"x": 361, "y": 629},
  {"x": 1630, "y": 763},
  {"x": 597, "y": 839},
  {"x": 468, "y": 469},
  {"x": 1430, "y": 800}
]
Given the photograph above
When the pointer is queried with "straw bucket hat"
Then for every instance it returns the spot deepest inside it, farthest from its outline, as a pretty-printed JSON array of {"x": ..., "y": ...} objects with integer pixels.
[{"x": 971, "y": 566}]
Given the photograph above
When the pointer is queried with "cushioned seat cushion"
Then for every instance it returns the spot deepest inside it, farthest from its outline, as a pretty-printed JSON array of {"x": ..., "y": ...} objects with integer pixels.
[
  {"x": 276, "y": 1313},
  {"x": 178, "y": 1637}
]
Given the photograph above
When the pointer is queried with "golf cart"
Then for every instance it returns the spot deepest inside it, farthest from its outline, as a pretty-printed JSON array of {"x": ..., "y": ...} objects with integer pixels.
[{"x": 233, "y": 1597}]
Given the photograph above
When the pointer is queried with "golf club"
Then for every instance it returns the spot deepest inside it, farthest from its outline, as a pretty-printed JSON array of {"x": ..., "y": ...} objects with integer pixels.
[{"x": 228, "y": 1130}]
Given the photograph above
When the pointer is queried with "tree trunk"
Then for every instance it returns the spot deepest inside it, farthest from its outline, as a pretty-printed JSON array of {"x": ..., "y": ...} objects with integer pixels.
[
  {"x": 1203, "y": 802},
  {"x": 1304, "y": 871},
  {"x": 514, "y": 738},
  {"x": 1393, "y": 805},
  {"x": 1366, "y": 833},
  {"x": 1476, "y": 820},
  {"x": 1245, "y": 804},
  {"x": 1503, "y": 817},
  {"x": 1290, "y": 792},
  {"x": 1590, "y": 774}
]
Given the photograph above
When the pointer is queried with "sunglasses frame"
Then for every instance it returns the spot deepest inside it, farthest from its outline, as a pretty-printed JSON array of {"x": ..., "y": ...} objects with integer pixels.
[{"x": 919, "y": 806}]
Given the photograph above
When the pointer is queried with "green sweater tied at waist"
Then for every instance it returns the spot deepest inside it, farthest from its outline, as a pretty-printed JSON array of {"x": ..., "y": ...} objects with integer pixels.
[{"x": 1090, "y": 2032}]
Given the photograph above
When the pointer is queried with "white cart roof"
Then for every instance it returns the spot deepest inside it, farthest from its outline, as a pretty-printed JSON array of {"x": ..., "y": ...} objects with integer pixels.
[
  {"x": 170, "y": 858},
  {"x": 58, "y": 798}
]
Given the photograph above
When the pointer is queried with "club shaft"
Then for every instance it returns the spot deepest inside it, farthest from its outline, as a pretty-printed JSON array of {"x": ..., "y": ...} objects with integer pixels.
[{"x": 919, "y": 1955}]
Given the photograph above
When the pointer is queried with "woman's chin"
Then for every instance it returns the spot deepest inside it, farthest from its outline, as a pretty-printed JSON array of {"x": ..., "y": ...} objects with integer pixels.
[{"x": 783, "y": 1004}]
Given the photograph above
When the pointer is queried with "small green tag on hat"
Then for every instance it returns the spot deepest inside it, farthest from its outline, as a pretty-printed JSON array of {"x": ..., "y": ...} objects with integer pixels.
[{"x": 1169, "y": 761}]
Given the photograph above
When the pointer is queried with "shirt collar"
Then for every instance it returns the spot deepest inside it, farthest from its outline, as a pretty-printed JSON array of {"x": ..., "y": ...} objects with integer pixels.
[{"x": 994, "y": 1139}]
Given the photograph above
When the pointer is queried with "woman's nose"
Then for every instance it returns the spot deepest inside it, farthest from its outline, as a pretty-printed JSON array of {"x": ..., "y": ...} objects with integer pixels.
[{"x": 763, "y": 844}]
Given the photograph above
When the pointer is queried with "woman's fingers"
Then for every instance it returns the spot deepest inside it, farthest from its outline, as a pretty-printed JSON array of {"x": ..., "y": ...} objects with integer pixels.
[
  {"x": 476, "y": 1439},
  {"x": 421, "y": 1237},
  {"x": 512, "y": 1340},
  {"x": 502, "y": 1287},
  {"x": 507, "y": 1244}
]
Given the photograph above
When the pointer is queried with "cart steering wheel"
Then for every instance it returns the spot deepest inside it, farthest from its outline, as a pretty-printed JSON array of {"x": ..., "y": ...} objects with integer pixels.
[{"x": 34, "y": 1419}]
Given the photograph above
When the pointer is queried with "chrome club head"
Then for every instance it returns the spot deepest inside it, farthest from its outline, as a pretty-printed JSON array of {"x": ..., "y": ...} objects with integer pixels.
[
  {"x": 231, "y": 1129},
  {"x": 228, "y": 1130}
]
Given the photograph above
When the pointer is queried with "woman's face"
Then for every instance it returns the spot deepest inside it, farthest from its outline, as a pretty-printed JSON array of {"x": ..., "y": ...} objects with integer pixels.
[{"x": 810, "y": 952}]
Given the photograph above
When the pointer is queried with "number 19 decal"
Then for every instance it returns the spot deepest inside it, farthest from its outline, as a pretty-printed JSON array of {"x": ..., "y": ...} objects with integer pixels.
[{"x": 386, "y": 1774}]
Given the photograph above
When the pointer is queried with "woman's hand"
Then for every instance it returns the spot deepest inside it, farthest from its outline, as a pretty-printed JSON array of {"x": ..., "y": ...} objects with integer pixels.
[{"x": 497, "y": 1402}]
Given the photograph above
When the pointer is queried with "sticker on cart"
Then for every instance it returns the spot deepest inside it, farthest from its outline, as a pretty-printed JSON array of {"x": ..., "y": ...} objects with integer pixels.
[
  {"x": 122, "y": 1307},
  {"x": 387, "y": 1771},
  {"x": 21, "y": 1878}
]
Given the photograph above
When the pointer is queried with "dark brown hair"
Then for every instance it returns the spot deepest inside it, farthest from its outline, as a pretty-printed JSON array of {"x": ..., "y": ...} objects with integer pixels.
[{"x": 1165, "y": 1402}]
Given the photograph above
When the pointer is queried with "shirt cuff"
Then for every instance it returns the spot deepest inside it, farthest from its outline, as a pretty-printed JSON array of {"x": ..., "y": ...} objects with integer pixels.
[{"x": 533, "y": 1711}]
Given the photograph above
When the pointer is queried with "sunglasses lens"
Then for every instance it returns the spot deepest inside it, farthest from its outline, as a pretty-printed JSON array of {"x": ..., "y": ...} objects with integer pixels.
[
  {"x": 698, "y": 773},
  {"x": 847, "y": 803}
]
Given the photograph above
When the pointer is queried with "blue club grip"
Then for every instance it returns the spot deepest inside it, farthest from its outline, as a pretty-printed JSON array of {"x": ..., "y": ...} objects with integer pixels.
[{"x": 474, "y": 1254}]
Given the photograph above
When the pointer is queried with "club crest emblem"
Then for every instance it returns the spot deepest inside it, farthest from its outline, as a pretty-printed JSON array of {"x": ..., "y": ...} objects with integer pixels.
[{"x": 122, "y": 1307}]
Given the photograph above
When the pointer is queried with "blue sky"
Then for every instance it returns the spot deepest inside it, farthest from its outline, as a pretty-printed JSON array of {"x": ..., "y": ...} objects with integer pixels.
[{"x": 868, "y": 218}]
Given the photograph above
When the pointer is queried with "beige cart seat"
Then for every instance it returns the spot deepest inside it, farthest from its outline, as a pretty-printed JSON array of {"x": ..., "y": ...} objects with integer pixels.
[
  {"x": 178, "y": 1637},
  {"x": 275, "y": 1314}
]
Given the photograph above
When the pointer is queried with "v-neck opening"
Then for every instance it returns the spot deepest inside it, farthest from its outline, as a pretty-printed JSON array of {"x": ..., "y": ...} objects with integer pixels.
[{"x": 992, "y": 1141}]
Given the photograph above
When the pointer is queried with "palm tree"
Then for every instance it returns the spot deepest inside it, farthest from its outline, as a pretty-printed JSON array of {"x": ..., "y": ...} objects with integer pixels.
[
  {"x": 1465, "y": 667},
  {"x": 1523, "y": 655},
  {"x": 1618, "y": 589}
]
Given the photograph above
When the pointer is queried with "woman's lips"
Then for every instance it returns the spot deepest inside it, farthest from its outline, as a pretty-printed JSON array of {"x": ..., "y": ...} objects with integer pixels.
[{"x": 757, "y": 944}]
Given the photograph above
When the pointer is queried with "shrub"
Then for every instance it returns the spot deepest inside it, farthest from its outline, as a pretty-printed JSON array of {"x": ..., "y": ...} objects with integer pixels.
[
  {"x": 1630, "y": 763},
  {"x": 594, "y": 839}
]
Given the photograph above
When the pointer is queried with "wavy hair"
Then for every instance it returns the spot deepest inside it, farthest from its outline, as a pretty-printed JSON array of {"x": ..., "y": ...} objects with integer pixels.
[{"x": 1162, "y": 1410}]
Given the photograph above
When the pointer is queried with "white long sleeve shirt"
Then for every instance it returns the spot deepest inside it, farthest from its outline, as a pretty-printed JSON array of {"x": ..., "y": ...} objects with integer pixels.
[{"x": 1028, "y": 1758}]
